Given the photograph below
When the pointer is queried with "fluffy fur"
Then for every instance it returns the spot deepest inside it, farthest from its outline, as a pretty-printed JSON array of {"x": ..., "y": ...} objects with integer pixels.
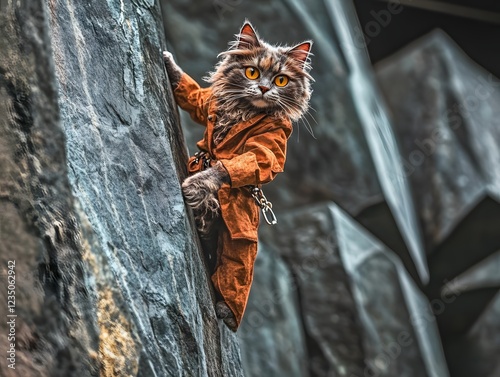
[
  {"x": 240, "y": 98},
  {"x": 200, "y": 192}
]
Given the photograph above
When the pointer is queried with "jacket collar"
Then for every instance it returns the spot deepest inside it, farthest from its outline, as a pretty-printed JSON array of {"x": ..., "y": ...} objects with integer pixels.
[{"x": 237, "y": 128}]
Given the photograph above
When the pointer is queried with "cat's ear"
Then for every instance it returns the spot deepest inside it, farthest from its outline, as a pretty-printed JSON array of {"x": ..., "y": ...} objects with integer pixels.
[
  {"x": 247, "y": 39},
  {"x": 301, "y": 53}
]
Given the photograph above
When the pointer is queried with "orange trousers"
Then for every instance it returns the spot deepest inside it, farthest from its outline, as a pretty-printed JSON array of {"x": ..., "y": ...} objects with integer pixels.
[{"x": 234, "y": 267}]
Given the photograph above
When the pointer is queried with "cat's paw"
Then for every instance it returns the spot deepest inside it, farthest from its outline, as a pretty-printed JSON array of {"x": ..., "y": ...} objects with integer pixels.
[
  {"x": 167, "y": 56},
  {"x": 198, "y": 187},
  {"x": 223, "y": 312},
  {"x": 174, "y": 71},
  {"x": 200, "y": 192}
]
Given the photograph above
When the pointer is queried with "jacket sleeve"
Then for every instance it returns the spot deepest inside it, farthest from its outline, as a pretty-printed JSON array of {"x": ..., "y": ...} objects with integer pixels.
[
  {"x": 263, "y": 157},
  {"x": 193, "y": 99}
]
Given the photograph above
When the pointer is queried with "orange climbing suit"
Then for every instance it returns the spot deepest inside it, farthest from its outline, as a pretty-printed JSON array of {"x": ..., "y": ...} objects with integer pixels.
[{"x": 252, "y": 152}]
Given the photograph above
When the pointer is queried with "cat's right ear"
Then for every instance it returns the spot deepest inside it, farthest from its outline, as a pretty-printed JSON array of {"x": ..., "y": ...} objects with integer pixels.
[{"x": 247, "y": 39}]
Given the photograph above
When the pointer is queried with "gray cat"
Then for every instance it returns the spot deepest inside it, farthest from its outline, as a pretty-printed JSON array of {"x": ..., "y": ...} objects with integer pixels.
[{"x": 256, "y": 91}]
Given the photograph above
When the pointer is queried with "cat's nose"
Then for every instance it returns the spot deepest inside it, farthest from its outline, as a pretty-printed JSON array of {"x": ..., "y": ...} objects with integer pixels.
[{"x": 263, "y": 89}]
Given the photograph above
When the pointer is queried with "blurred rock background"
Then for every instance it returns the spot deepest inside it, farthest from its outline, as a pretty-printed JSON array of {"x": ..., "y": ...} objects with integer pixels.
[{"x": 386, "y": 257}]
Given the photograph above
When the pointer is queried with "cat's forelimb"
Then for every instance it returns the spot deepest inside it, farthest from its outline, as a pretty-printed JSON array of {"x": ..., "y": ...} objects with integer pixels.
[
  {"x": 200, "y": 192},
  {"x": 174, "y": 71}
]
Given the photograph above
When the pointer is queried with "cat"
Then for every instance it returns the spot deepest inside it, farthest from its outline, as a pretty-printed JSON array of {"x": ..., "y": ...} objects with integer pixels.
[{"x": 256, "y": 91}]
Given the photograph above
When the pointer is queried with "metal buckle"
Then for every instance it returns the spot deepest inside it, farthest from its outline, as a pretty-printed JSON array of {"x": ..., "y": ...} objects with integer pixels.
[{"x": 202, "y": 155}]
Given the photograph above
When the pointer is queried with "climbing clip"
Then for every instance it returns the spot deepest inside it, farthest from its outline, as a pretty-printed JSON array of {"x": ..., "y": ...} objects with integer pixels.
[{"x": 264, "y": 204}]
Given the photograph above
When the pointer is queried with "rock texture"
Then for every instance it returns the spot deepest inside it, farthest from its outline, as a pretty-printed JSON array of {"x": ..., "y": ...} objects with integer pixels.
[
  {"x": 445, "y": 115},
  {"x": 271, "y": 336},
  {"x": 40, "y": 236},
  {"x": 400, "y": 332},
  {"x": 410, "y": 153},
  {"x": 198, "y": 32},
  {"x": 111, "y": 281},
  {"x": 363, "y": 314}
]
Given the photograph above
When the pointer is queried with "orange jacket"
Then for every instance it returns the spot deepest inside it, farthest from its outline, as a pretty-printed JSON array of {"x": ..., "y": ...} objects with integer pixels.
[{"x": 252, "y": 152}]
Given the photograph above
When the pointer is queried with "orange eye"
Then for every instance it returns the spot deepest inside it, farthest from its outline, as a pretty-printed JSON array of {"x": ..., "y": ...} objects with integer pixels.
[
  {"x": 252, "y": 73},
  {"x": 281, "y": 80}
]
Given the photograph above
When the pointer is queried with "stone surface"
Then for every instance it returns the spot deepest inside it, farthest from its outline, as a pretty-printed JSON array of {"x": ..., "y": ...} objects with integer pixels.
[
  {"x": 111, "y": 279},
  {"x": 475, "y": 352},
  {"x": 271, "y": 336},
  {"x": 445, "y": 115},
  {"x": 307, "y": 240},
  {"x": 363, "y": 314},
  {"x": 39, "y": 233}
]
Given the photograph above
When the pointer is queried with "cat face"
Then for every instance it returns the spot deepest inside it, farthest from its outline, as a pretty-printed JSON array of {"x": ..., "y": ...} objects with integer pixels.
[{"x": 260, "y": 78}]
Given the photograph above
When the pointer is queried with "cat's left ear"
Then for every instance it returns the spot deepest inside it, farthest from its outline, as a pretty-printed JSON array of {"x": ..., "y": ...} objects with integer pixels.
[
  {"x": 301, "y": 53},
  {"x": 247, "y": 39}
]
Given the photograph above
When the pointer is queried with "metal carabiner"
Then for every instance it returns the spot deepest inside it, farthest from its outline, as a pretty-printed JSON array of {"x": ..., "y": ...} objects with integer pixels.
[
  {"x": 273, "y": 220},
  {"x": 264, "y": 204}
]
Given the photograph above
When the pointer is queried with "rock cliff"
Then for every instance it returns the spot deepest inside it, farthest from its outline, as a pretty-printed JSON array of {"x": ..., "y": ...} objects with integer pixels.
[{"x": 110, "y": 279}]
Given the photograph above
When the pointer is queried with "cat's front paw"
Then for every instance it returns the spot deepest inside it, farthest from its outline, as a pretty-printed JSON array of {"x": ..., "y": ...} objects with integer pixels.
[
  {"x": 167, "y": 55},
  {"x": 200, "y": 193},
  {"x": 174, "y": 71}
]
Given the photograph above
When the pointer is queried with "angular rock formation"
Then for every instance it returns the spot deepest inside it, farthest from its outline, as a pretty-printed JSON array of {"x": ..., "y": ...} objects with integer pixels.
[
  {"x": 110, "y": 277},
  {"x": 445, "y": 114},
  {"x": 363, "y": 314}
]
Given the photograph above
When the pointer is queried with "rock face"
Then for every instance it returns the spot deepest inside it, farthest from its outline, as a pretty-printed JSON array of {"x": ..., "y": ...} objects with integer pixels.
[
  {"x": 445, "y": 115},
  {"x": 110, "y": 277},
  {"x": 271, "y": 336},
  {"x": 362, "y": 313}
]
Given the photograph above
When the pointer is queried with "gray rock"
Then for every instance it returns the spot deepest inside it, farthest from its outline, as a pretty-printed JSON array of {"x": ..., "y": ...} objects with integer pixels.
[
  {"x": 271, "y": 335},
  {"x": 91, "y": 158},
  {"x": 475, "y": 352},
  {"x": 363, "y": 314},
  {"x": 55, "y": 331},
  {"x": 445, "y": 115},
  {"x": 307, "y": 240}
]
